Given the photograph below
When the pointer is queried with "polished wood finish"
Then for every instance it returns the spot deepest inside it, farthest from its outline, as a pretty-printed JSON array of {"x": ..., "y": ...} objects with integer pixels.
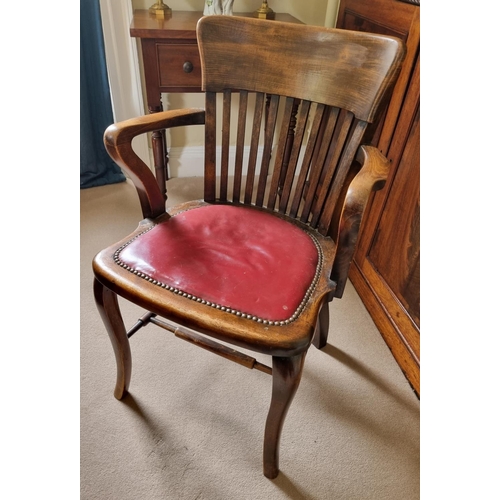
[
  {"x": 287, "y": 373},
  {"x": 323, "y": 183},
  {"x": 150, "y": 193},
  {"x": 355, "y": 203},
  {"x": 203, "y": 342},
  {"x": 107, "y": 305},
  {"x": 386, "y": 270},
  {"x": 171, "y": 64}
]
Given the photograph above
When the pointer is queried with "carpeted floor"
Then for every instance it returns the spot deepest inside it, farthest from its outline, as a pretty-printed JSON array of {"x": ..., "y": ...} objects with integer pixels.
[{"x": 192, "y": 426}]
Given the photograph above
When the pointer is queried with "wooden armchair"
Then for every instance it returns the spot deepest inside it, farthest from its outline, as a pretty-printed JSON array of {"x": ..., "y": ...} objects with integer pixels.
[{"x": 256, "y": 262}]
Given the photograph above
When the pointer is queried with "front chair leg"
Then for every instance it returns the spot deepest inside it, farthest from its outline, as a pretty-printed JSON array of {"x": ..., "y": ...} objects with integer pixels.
[
  {"x": 107, "y": 304},
  {"x": 286, "y": 379}
]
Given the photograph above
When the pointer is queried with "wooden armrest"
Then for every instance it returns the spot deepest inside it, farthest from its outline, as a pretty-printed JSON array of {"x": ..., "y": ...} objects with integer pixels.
[
  {"x": 118, "y": 142},
  {"x": 371, "y": 177}
]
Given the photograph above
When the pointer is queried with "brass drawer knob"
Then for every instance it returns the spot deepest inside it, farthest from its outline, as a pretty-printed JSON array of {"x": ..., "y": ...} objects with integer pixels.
[{"x": 187, "y": 67}]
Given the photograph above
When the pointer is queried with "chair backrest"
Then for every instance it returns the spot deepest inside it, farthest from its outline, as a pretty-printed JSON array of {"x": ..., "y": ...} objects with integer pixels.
[{"x": 309, "y": 92}]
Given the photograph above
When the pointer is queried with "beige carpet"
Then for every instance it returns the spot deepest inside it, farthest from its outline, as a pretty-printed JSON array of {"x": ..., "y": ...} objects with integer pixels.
[{"x": 192, "y": 427}]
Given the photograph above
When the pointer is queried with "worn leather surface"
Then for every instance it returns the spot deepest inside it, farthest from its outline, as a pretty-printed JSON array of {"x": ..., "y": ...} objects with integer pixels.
[{"x": 236, "y": 257}]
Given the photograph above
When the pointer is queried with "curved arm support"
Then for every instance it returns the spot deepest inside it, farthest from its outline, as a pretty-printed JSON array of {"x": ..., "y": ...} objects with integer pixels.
[
  {"x": 118, "y": 142},
  {"x": 371, "y": 177}
]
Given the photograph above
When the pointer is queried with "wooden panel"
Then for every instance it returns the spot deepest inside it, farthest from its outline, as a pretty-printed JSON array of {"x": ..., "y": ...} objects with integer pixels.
[
  {"x": 399, "y": 228},
  {"x": 387, "y": 17},
  {"x": 368, "y": 290},
  {"x": 386, "y": 270},
  {"x": 357, "y": 23},
  {"x": 386, "y": 267}
]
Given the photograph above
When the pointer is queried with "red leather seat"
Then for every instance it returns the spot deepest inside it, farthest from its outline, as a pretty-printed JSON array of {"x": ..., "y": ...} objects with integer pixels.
[{"x": 229, "y": 257}]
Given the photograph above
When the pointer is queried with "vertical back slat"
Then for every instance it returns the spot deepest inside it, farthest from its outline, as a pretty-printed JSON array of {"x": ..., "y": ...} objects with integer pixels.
[
  {"x": 294, "y": 154},
  {"x": 254, "y": 145},
  {"x": 289, "y": 144},
  {"x": 240, "y": 145},
  {"x": 306, "y": 161},
  {"x": 319, "y": 162},
  {"x": 280, "y": 151},
  {"x": 343, "y": 169},
  {"x": 226, "y": 127},
  {"x": 344, "y": 77},
  {"x": 210, "y": 141},
  {"x": 336, "y": 146},
  {"x": 271, "y": 116}
]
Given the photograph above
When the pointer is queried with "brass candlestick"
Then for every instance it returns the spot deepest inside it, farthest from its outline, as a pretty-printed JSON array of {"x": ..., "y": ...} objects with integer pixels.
[
  {"x": 159, "y": 9},
  {"x": 265, "y": 12}
]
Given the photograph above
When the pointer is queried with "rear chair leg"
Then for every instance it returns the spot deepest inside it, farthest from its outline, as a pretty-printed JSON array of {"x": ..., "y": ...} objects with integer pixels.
[
  {"x": 107, "y": 304},
  {"x": 286, "y": 379},
  {"x": 321, "y": 335}
]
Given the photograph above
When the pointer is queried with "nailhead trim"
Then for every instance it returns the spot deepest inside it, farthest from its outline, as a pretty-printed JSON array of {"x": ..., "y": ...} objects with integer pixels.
[{"x": 240, "y": 314}]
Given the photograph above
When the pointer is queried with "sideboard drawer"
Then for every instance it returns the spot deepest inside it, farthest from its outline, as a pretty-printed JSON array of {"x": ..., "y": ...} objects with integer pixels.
[{"x": 179, "y": 66}]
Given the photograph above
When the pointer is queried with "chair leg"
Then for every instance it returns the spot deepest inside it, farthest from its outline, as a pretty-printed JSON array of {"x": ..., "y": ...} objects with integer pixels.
[
  {"x": 286, "y": 379},
  {"x": 107, "y": 304},
  {"x": 321, "y": 335}
]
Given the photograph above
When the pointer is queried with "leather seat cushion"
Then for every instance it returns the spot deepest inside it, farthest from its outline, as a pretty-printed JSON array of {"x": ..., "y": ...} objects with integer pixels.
[{"x": 246, "y": 261}]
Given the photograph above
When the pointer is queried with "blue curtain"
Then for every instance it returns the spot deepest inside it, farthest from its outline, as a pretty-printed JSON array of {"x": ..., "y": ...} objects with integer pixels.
[{"x": 96, "y": 167}]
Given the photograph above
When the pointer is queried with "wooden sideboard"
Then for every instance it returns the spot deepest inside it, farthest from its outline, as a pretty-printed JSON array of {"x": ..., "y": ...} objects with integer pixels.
[
  {"x": 171, "y": 64},
  {"x": 386, "y": 267}
]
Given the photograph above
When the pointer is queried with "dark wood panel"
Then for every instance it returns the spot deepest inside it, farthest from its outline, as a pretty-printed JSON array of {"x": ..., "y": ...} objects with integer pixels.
[
  {"x": 386, "y": 270},
  {"x": 395, "y": 252},
  {"x": 357, "y": 23},
  {"x": 389, "y": 13},
  {"x": 386, "y": 17}
]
